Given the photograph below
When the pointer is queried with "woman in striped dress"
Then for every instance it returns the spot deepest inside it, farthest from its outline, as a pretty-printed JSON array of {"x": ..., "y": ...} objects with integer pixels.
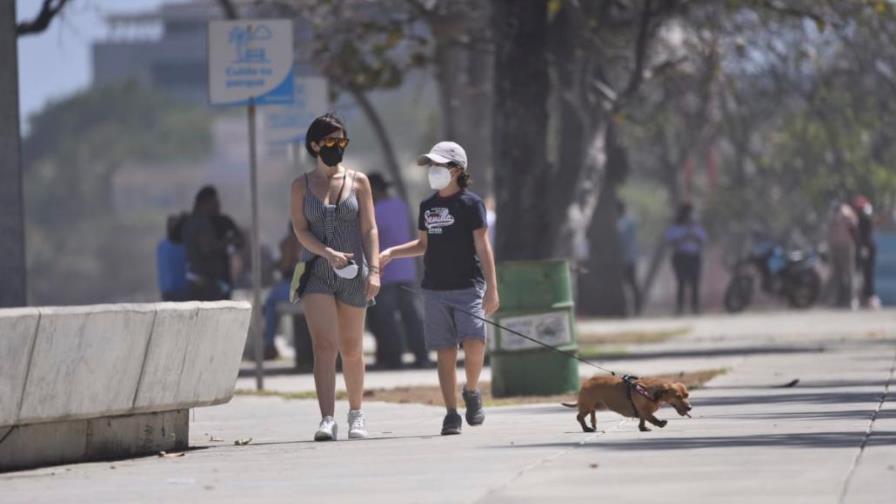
[{"x": 333, "y": 218}]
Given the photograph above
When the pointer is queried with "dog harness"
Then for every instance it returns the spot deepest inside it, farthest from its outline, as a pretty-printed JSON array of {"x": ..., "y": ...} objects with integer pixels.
[{"x": 637, "y": 387}]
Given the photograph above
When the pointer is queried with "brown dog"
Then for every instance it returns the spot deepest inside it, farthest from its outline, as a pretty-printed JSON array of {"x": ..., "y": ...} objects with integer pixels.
[{"x": 615, "y": 394}]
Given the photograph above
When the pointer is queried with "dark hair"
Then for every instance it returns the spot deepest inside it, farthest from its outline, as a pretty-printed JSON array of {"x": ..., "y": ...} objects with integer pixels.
[
  {"x": 685, "y": 210},
  {"x": 206, "y": 194},
  {"x": 378, "y": 182},
  {"x": 464, "y": 179},
  {"x": 175, "y": 226},
  {"x": 320, "y": 128}
]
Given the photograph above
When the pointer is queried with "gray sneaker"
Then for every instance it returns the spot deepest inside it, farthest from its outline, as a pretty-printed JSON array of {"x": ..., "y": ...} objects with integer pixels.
[
  {"x": 473, "y": 401},
  {"x": 452, "y": 423}
]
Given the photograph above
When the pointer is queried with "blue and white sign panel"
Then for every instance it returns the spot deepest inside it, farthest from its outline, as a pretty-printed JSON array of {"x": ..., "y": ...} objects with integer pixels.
[
  {"x": 287, "y": 124},
  {"x": 250, "y": 60}
]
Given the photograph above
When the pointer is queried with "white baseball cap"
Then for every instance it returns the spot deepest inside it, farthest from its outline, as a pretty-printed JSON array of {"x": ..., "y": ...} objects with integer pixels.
[{"x": 444, "y": 153}]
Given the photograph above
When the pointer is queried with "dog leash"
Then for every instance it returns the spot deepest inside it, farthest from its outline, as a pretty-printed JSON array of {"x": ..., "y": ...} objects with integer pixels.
[{"x": 569, "y": 354}]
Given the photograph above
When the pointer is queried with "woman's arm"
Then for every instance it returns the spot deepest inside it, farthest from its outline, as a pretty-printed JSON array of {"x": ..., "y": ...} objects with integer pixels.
[
  {"x": 303, "y": 233},
  {"x": 370, "y": 233},
  {"x": 487, "y": 258}
]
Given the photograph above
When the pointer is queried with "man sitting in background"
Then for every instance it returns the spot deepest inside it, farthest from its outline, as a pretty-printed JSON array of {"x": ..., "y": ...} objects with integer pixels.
[
  {"x": 279, "y": 293},
  {"x": 171, "y": 261}
]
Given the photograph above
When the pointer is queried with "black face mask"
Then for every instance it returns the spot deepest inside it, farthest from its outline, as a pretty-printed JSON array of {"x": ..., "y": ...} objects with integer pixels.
[{"x": 331, "y": 156}]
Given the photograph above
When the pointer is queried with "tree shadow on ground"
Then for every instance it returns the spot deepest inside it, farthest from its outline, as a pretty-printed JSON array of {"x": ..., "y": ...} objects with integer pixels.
[
  {"x": 815, "y": 415},
  {"x": 780, "y": 397},
  {"x": 708, "y": 352},
  {"x": 837, "y": 439},
  {"x": 804, "y": 384}
]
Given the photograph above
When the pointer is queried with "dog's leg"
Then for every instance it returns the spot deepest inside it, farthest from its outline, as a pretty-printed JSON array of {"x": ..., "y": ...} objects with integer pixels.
[
  {"x": 581, "y": 418},
  {"x": 642, "y": 427},
  {"x": 593, "y": 421},
  {"x": 655, "y": 421}
]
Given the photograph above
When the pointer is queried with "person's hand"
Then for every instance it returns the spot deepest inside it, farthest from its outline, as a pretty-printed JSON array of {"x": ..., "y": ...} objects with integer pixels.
[
  {"x": 373, "y": 284},
  {"x": 491, "y": 303},
  {"x": 385, "y": 257},
  {"x": 338, "y": 259}
]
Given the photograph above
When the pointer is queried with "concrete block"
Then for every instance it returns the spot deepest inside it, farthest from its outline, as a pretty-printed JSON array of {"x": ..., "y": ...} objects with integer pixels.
[
  {"x": 43, "y": 444},
  {"x": 213, "y": 358},
  {"x": 109, "y": 438},
  {"x": 86, "y": 362},
  {"x": 194, "y": 355},
  {"x": 133, "y": 435},
  {"x": 18, "y": 327},
  {"x": 175, "y": 326}
]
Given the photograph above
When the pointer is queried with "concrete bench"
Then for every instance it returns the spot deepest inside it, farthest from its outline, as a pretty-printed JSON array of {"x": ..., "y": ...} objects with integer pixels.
[{"x": 111, "y": 381}]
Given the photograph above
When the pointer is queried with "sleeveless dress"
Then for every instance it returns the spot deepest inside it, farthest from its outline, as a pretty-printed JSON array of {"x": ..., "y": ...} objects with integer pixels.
[{"x": 338, "y": 227}]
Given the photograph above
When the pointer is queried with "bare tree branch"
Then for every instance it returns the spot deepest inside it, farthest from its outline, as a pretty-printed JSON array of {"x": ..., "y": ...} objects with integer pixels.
[
  {"x": 48, "y": 10},
  {"x": 229, "y": 9},
  {"x": 791, "y": 11},
  {"x": 640, "y": 52}
]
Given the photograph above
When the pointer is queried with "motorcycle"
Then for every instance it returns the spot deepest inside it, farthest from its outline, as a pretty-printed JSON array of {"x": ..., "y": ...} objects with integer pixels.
[{"x": 793, "y": 276}]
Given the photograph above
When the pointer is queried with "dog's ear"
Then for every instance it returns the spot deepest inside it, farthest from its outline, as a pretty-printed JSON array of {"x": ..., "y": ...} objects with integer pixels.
[{"x": 657, "y": 391}]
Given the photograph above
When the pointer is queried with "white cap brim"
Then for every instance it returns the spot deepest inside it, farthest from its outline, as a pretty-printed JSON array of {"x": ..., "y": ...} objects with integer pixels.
[{"x": 426, "y": 158}]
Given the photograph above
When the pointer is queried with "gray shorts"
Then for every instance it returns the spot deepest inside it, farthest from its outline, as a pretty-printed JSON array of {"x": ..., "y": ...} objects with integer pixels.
[
  {"x": 445, "y": 326},
  {"x": 323, "y": 280}
]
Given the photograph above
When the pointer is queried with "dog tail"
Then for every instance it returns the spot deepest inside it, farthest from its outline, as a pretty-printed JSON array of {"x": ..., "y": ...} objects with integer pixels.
[{"x": 570, "y": 405}]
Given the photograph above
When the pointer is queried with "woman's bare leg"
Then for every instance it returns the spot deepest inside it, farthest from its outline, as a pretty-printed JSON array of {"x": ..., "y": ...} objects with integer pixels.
[
  {"x": 351, "y": 334},
  {"x": 323, "y": 324}
]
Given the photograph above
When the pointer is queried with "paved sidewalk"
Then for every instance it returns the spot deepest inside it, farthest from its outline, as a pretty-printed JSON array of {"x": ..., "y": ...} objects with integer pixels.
[{"x": 748, "y": 442}]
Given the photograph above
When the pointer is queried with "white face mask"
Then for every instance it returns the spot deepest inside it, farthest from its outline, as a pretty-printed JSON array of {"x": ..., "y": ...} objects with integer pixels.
[
  {"x": 348, "y": 271},
  {"x": 439, "y": 177}
]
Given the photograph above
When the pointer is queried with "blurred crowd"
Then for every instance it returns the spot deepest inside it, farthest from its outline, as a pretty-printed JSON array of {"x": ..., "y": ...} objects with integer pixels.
[{"x": 205, "y": 257}]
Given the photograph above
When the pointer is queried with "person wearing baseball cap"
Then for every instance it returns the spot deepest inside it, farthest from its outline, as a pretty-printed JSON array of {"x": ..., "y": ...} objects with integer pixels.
[{"x": 459, "y": 281}]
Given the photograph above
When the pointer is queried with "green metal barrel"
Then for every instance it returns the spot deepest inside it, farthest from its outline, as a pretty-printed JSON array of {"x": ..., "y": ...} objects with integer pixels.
[{"x": 536, "y": 300}]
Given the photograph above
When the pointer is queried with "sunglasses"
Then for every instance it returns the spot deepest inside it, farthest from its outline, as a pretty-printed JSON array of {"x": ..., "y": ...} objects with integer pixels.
[{"x": 333, "y": 142}]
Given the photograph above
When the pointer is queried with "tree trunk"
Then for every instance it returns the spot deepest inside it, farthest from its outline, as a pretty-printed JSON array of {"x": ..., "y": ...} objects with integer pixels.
[
  {"x": 519, "y": 129},
  {"x": 673, "y": 189},
  {"x": 476, "y": 110},
  {"x": 12, "y": 203},
  {"x": 464, "y": 69},
  {"x": 386, "y": 147},
  {"x": 601, "y": 290}
]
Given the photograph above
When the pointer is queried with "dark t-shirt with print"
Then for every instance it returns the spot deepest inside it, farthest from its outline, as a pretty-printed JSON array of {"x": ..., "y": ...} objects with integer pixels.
[{"x": 450, "y": 262}]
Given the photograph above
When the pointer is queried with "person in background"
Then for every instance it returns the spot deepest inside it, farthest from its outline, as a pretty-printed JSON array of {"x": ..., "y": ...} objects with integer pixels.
[
  {"x": 279, "y": 293},
  {"x": 171, "y": 261},
  {"x": 687, "y": 238},
  {"x": 395, "y": 299},
  {"x": 867, "y": 250},
  {"x": 842, "y": 239},
  {"x": 491, "y": 217},
  {"x": 211, "y": 239},
  {"x": 628, "y": 236}
]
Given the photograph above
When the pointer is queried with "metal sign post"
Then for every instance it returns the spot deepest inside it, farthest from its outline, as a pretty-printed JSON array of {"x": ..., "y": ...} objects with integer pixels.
[
  {"x": 250, "y": 63},
  {"x": 256, "y": 332}
]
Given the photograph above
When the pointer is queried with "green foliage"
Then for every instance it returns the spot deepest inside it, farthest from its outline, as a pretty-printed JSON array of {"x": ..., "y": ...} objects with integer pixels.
[
  {"x": 366, "y": 47},
  {"x": 72, "y": 151},
  {"x": 117, "y": 123}
]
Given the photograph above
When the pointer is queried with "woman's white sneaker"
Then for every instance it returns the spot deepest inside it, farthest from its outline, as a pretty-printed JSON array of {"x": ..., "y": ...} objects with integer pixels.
[
  {"x": 357, "y": 428},
  {"x": 327, "y": 430}
]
